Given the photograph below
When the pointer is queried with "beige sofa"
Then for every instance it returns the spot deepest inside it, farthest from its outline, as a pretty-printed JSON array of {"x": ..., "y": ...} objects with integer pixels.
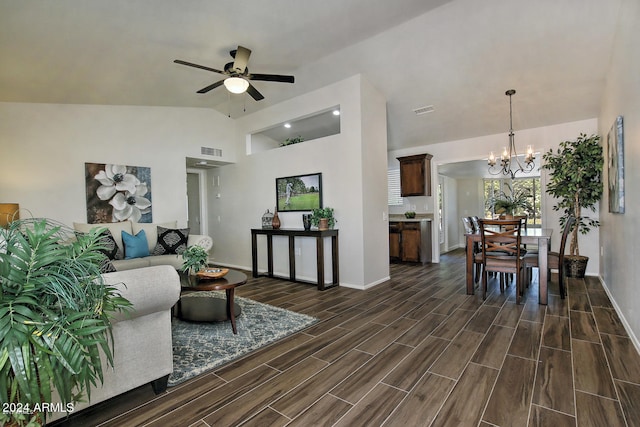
[
  {"x": 143, "y": 351},
  {"x": 151, "y": 231}
]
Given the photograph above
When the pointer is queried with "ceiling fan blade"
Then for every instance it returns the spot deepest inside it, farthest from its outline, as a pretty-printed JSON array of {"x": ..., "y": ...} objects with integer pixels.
[
  {"x": 254, "y": 93},
  {"x": 241, "y": 59},
  {"x": 210, "y": 87},
  {"x": 202, "y": 67},
  {"x": 271, "y": 78}
]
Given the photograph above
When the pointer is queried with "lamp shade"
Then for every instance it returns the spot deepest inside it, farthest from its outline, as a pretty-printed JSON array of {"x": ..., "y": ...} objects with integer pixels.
[
  {"x": 236, "y": 84},
  {"x": 8, "y": 213}
]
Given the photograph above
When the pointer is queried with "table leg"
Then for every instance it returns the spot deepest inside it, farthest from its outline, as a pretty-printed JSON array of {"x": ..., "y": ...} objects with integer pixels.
[
  {"x": 292, "y": 259},
  {"x": 543, "y": 256},
  {"x": 320, "y": 261},
  {"x": 254, "y": 254},
  {"x": 469, "y": 265},
  {"x": 270, "y": 255},
  {"x": 335, "y": 259},
  {"x": 230, "y": 310}
]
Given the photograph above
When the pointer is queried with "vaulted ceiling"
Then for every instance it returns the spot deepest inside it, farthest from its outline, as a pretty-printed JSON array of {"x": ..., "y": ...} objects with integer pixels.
[{"x": 458, "y": 55}]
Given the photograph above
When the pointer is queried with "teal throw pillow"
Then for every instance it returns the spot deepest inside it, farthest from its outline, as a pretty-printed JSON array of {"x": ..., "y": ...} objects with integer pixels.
[{"x": 135, "y": 246}]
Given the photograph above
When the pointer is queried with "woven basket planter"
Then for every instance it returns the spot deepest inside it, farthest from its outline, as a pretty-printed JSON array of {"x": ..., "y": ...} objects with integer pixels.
[{"x": 576, "y": 265}]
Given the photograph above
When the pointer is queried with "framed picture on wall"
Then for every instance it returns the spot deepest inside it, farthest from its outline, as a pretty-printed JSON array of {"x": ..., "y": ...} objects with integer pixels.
[
  {"x": 615, "y": 166},
  {"x": 299, "y": 192}
]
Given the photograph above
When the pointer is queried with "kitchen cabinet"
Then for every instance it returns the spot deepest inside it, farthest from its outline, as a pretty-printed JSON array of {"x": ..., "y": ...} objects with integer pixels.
[
  {"x": 410, "y": 241},
  {"x": 415, "y": 175}
]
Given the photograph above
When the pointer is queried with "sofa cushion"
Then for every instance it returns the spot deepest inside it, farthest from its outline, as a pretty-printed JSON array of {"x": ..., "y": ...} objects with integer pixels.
[
  {"x": 135, "y": 246},
  {"x": 130, "y": 264},
  {"x": 171, "y": 241},
  {"x": 151, "y": 230},
  {"x": 174, "y": 261}
]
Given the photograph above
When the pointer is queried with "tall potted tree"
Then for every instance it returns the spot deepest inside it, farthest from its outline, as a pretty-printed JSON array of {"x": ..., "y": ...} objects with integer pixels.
[
  {"x": 576, "y": 181},
  {"x": 55, "y": 317}
]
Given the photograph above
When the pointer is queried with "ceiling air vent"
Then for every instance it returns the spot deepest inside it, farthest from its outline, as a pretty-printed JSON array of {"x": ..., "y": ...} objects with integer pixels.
[
  {"x": 211, "y": 151},
  {"x": 423, "y": 110}
]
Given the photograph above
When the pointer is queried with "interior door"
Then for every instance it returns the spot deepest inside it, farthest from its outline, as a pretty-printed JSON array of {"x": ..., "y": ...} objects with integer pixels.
[
  {"x": 442, "y": 220},
  {"x": 193, "y": 203}
]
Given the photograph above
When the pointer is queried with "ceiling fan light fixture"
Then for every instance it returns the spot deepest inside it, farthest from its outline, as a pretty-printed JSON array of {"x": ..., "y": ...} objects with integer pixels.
[{"x": 236, "y": 84}]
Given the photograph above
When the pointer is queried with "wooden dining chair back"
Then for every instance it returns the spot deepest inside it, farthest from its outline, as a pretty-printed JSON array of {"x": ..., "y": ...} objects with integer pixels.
[
  {"x": 501, "y": 251},
  {"x": 555, "y": 260},
  {"x": 477, "y": 260},
  {"x": 468, "y": 225},
  {"x": 476, "y": 225}
]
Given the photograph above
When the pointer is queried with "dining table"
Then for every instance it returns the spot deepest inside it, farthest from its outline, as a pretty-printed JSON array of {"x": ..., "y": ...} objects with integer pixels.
[{"x": 528, "y": 236}]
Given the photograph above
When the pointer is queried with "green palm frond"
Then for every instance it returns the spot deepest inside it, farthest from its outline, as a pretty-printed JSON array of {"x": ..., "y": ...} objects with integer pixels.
[{"x": 55, "y": 312}]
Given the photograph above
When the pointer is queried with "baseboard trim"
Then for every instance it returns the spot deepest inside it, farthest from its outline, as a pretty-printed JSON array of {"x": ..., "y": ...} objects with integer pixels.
[{"x": 616, "y": 307}]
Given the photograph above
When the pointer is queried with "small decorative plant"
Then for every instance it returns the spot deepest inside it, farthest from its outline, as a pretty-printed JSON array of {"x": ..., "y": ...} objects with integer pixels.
[
  {"x": 195, "y": 257},
  {"x": 576, "y": 181},
  {"x": 289, "y": 141},
  {"x": 410, "y": 214},
  {"x": 55, "y": 317},
  {"x": 321, "y": 213},
  {"x": 510, "y": 203}
]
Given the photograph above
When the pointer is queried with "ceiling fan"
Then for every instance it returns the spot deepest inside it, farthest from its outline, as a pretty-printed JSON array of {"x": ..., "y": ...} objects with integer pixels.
[{"x": 238, "y": 74}]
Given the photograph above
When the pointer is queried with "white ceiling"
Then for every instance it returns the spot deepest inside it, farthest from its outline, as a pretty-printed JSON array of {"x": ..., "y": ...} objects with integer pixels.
[{"x": 458, "y": 55}]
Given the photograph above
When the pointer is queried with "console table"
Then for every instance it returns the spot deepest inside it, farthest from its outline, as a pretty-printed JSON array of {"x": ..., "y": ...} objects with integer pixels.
[{"x": 319, "y": 235}]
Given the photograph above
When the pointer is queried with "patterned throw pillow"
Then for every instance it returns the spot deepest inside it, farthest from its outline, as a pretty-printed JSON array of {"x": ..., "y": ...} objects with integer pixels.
[
  {"x": 171, "y": 241},
  {"x": 111, "y": 249},
  {"x": 107, "y": 266}
]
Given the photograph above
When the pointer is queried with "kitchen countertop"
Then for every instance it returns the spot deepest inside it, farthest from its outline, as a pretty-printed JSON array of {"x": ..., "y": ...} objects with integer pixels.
[{"x": 418, "y": 218}]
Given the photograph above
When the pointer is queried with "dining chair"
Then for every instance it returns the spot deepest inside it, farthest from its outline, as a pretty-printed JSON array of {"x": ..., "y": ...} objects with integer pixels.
[
  {"x": 477, "y": 258},
  {"x": 555, "y": 260},
  {"x": 501, "y": 251},
  {"x": 474, "y": 221}
]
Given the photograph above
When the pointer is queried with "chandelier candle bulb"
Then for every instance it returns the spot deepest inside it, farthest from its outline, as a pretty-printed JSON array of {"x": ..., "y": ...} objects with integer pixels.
[{"x": 492, "y": 159}]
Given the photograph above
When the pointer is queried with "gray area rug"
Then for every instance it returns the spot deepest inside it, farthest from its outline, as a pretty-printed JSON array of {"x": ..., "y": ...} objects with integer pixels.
[{"x": 201, "y": 347}]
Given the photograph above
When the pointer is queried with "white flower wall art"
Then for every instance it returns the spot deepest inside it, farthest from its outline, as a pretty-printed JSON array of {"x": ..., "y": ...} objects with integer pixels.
[{"x": 118, "y": 193}]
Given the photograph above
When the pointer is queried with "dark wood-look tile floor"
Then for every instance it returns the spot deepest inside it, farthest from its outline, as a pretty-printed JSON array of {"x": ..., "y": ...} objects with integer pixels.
[{"x": 414, "y": 351}]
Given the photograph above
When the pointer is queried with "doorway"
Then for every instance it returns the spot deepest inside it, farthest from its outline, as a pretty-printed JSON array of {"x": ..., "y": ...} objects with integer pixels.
[
  {"x": 442, "y": 216},
  {"x": 197, "y": 201}
]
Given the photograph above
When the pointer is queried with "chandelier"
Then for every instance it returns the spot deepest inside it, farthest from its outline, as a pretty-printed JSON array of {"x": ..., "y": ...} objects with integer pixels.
[{"x": 510, "y": 164}]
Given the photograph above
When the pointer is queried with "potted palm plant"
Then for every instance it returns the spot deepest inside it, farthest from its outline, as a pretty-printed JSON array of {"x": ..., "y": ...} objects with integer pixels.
[
  {"x": 576, "y": 181},
  {"x": 512, "y": 202},
  {"x": 55, "y": 317}
]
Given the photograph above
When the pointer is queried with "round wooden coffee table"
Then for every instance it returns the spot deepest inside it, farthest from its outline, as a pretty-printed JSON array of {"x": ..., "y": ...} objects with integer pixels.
[{"x": 210, "y": 309}]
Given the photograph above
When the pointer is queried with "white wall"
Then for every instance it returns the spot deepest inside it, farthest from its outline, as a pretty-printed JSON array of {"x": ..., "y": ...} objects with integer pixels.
[
  {"x": 470, "y": 203},
  {"x": 542, "y": 139},
  {"x": 45, "y": 146},
  {"x": 353, "y": 170},
  {"x": 619, "y": 234}
]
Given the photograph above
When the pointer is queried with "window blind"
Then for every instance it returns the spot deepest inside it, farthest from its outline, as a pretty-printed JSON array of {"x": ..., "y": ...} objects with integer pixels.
[{"x": 393, "y": 178}]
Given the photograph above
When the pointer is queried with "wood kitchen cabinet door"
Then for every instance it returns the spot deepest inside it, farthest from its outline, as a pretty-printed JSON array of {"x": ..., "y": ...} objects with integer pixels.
[{"x": 415, "y": 175}]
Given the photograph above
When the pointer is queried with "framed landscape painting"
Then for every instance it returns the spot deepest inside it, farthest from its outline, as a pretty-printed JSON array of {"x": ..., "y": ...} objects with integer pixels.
[
  {"x": 299, "y": 193},
  {"x": 615, "y": 164}
]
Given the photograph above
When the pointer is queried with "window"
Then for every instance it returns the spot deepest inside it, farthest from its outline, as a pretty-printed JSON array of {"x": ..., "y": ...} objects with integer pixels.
[
  {"x": 393, "y": 178},
  {"x": 492, "y": 187}
]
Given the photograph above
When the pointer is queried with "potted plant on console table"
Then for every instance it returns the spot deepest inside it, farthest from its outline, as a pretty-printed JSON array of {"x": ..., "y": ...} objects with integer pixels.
[
  {"x": 576, "y": 180},
  {"x": 323, "y": 218},
  {"x": 55, "y": 317}
]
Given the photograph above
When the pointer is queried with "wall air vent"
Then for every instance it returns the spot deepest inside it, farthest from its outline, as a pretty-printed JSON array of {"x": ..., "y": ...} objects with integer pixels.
[
  {"x": 211, "y": 151},
  {"x": 424, "y": 110}
]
